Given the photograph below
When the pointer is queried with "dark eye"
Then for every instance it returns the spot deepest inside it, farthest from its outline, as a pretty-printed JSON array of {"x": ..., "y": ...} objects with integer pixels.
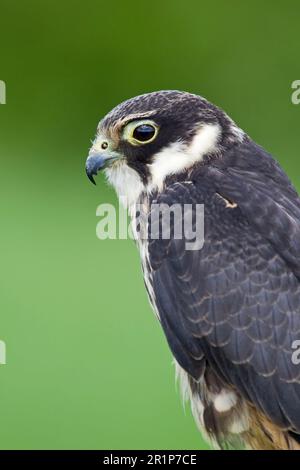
[{"x": 144, "y": 132}]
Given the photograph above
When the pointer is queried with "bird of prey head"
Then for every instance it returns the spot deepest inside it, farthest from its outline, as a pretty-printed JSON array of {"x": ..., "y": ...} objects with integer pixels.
[
  {"x": 148, "y": 138},
  {"x": 230, "y": 311}
]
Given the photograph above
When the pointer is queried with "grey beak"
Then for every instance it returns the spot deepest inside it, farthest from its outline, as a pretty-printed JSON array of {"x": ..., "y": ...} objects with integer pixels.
[{"x": 95, "y": 163}]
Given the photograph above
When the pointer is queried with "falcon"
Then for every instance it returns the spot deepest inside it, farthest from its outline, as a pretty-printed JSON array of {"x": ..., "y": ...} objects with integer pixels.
[{"x": 230, "y": 310}]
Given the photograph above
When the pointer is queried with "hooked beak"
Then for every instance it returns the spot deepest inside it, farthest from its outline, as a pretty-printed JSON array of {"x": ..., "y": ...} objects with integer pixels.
[{"x": 97, "y": 162}]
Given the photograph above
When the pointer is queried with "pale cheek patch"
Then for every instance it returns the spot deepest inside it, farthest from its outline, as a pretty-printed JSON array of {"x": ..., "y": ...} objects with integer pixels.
[{"x": 178, "y": 156}]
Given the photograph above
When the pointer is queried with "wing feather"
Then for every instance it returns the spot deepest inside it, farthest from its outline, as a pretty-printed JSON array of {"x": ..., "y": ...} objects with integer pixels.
[{"x": 236, "y": 301}]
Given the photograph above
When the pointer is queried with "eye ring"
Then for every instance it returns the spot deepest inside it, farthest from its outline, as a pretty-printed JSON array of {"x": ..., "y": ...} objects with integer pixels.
[{"x": 140, "y": 132}]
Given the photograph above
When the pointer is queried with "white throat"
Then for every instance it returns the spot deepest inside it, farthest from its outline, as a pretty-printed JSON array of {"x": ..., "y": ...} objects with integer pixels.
[{"x": 127, "y": 183}]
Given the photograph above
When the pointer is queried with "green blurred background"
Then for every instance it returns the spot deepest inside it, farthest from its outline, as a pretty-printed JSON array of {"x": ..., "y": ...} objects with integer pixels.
[{"x": 87, "y": 364}]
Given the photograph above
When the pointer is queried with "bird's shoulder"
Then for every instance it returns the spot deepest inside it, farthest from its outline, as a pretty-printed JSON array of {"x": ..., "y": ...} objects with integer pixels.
[
  {"x": 244, "y": 190},
  {"x": 236, "y": 301}
]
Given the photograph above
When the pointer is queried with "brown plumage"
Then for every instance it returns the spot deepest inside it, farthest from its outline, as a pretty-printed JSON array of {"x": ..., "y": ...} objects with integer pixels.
[
  {"x": 260, "y": 434},
  {"x": 265, "y": 435}
]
